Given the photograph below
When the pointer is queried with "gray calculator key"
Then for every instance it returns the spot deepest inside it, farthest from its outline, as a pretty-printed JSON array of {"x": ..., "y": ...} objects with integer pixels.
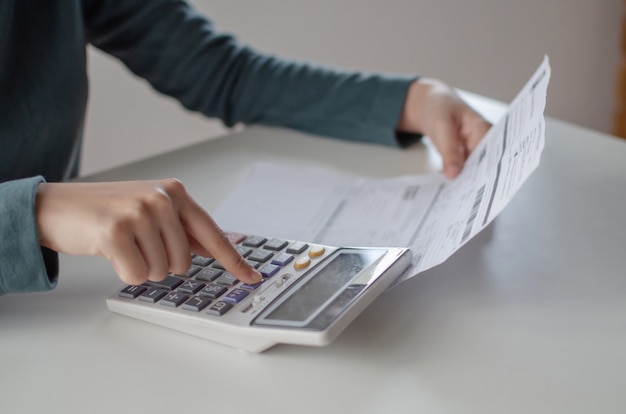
[
  {"x": 227, "y": 279},
  {"x": 243, "y": 250},
  {"x": 253, "y": 263},
  {"x": 202, "y": 261},
  {"x": 174, "y": 299},
  {"x": 297, "y": 247},
  {"x": 254, "y": 241},
  {"x": 153, "y": 295},
  {"x": 260, "y": 255},
  {"x": 193, "y": 269},
  {"x": 132, "y": 291},
  {"x": 213, "y": 290},
  {"x": 196, "y": 303},
  {"x": 169, "y": 283},
  {"x": 191, "y": 286},
  {"x": 217, "y": 265},
  {"x": 275, "y": 244},
  {"x": 219, "y": 308},
  {"x": 209, "y": 274}
]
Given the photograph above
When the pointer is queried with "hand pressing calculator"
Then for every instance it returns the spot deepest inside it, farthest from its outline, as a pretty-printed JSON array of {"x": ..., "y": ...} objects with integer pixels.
[{"x": 308, "y": 295}]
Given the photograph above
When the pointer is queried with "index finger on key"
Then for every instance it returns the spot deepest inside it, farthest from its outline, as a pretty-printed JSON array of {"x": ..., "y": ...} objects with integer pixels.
[{"x": 201, "y": 227}]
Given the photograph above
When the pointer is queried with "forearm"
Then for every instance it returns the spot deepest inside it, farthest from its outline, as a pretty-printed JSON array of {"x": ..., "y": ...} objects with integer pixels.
[{"x": 183, "y": 55}]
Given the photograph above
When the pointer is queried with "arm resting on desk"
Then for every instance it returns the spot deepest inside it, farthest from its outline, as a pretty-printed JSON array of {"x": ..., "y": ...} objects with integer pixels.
[{"x": 26, "y": 266}]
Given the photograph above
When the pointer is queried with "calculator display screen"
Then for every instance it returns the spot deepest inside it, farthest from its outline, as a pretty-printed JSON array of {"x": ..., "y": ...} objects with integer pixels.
[{"x": 309, "y": 296}]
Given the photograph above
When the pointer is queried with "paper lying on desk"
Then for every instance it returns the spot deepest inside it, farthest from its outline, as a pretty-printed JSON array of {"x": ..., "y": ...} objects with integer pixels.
[{"x": 430, "y": 214}]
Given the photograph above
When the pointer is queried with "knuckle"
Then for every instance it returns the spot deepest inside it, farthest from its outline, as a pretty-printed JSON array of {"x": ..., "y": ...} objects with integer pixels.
[
  {"x": 157, "y": 200},
  {"x": 173, "y": 186}
]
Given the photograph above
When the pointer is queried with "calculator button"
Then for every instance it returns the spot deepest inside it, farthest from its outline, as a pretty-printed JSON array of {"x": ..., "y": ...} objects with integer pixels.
[
  {"x": 219, "y": 308},
  {"x": 191, "y": 271},
  {"x": 201, "y": 260},
  {"x": 269, "y": 270},
  {"x": 275, "y": 244},
  {"x": 227, "y": 279},
  {"x": 191, "y": 286},
  {"x": 217, "y": 265},
  {"x": 209, "y": 274},
  {"x": 196, "y": 303},
  {"x": 252, "y": 286},
  {"x": 213, "y": 291},
  {"x": 174, "y": 299},
  {"x": 282, "y": 259},
  {"x": 253, "y": 264},
  {"x": 243, "y": 250},
  {"x": 257, "y": 300},
  {"x": 235, "y": 296},
  {"x": 260, "y": 255},
  {"x": 297, "y": 247},
  {"x": 254, "y": 241},
  {"x": 153, "y": 295},
  {"x": 317, "y": 251},
  {"x": 169, "y": 283},
  {"x": 302, "y": 262},
  {"x": 132, "y": 291}
]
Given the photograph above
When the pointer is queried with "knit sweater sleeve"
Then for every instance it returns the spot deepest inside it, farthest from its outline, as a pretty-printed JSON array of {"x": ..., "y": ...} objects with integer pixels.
[
  {"x": 182, "y": 54},
  {"x": 26, "y": 266}
]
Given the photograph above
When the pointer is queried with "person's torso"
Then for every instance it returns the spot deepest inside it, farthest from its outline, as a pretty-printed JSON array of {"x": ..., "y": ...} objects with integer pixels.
[{"x": 43, "y": 88}]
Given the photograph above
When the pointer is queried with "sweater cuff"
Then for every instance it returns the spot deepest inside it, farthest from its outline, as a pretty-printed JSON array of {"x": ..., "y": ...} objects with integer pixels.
[
  {"x": 25, "y": 266},
  {"x": 384, "y": 113}
]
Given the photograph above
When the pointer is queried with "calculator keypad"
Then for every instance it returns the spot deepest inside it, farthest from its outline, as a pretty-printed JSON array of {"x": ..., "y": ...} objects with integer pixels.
[{"x": 207, "y": 287}]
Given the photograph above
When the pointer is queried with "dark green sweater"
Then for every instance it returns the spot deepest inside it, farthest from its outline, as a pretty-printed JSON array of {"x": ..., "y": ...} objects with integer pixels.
[{"x": 43, "y": 95}]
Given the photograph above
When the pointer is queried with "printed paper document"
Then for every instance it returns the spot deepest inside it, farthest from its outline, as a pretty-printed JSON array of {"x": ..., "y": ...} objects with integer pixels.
[{"x": 430, "y": 214}]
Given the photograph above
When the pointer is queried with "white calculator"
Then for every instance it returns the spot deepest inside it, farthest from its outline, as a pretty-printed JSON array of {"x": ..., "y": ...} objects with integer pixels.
[{"x": 308, "y": 295}]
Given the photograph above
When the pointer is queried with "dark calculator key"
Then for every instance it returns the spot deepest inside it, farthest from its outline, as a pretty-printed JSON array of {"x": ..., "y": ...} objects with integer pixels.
[
  {"x": 282, "y": 259},
  {"x": 260, "y": 255},
  {"x": 269, "y": 270},
  {"x": 174, "y": 299},
  {"x": 297, "y": 247},
  {"x": 275, "y": 244},
  {"x": 209, "y": 274},
  {"x": 217, "y": 265},
  {"x": 169, "y": 283},
  {"x": 202, "y": 261},
  {"x": 253, "y": 264},
  {"x": 227, "y": 279},
  {"x": 235, "y": 296},
  {"x": 191, "y": 286},
  {"x": 196, "y": 303},
  {"x": 213, "y": 291},
  {"x": 219, "y": 308},
  {"x": 132, "y": 291},
  {"x": 153, "y": 295},
  {"x": 243, "y": 250},
  {"x": 254, "y": 241},
  {"x": 191, "y": 271}
]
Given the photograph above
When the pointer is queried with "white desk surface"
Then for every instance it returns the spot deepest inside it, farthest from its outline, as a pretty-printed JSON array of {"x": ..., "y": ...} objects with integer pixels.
[{"x": 529, "y": 317}]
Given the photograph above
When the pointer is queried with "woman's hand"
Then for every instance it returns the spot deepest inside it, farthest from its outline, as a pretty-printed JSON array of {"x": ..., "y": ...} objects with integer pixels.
[
  {"x": 144, "y": 228},
  {"x": 434, "y": 109}
]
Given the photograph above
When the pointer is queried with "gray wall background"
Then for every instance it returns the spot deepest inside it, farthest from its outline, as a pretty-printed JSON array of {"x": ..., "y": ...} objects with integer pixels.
[{"x": 490, "y": 47}]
